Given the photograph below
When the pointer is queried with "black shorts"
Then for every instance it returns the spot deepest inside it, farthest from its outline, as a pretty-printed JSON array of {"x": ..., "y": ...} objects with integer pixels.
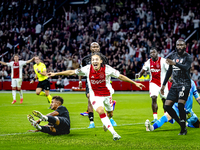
[
  {"x": 44, "y": 84},
  {"x": 64, "y": 126},
  {"x": 87, "y": 89},
  {"x": 178, "y": 93}
]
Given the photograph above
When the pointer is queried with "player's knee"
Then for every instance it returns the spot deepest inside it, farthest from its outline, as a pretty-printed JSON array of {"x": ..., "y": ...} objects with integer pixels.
[
  {"x": 110, "y": 114},
  {"x": 52, "y": 129},
  {"x": 154, "y": 99},
  {"x": 88, "y": 96},
  {"x": 14, "y": 88},
  {"x": 167, "y": 107}
]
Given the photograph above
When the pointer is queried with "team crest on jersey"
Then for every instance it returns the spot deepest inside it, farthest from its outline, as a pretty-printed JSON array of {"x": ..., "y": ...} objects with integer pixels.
[
  {"x": 101, "y": 75},
  {"x": 181, "y": 60},
  {"x": 177, "y": 60},
  {"x": 157, "y": 65}
]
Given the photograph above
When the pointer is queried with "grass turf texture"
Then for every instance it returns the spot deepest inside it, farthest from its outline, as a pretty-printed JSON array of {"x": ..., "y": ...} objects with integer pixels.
[{"x": 130, "y": 114}]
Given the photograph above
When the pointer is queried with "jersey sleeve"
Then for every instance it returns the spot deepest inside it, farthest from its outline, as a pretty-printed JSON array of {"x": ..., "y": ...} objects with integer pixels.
[
  {"x": 112, "y": 72},
  {"x": 22, "y": 63},
  {"x": 9, "y": 64},
  {"x": 165, "y": 65},
  {"x": 82, "y": 71},
  {"x": 43, "y": 68},
  {"x": 146, "y": 65},
  {"x": 61, "y": 110}
]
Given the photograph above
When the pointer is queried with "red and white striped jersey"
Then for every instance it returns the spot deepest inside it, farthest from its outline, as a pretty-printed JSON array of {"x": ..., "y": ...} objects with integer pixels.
[
  {"x": 16, "y": 69},
  {"x": 99, "y": 81},
  {"x": 157, "y": 69}
]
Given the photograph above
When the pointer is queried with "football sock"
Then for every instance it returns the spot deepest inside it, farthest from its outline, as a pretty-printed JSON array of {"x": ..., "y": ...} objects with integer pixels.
[
  {"x": 91, "y": 117},
  {"x": 107, "y": 123},
  {"x": 45, "y": 129},
  {"x": 182, "y": 114},
  {"x": 21, "y": 94},
  {"x": 172, "y": 113},
  {"x": 160, "y": 122},
  {"x": 14, "y": 94},
  {"x": 49, "y": 97},
  {"x": 155, "y": 115},
  {"x": 42, "y": 93}
]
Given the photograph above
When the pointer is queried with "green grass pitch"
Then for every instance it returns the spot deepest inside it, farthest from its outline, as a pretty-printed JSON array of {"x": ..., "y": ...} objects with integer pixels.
[{"x": 130, "y": 114}]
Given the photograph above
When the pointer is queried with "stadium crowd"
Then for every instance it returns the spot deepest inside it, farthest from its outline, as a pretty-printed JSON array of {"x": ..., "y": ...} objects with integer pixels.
[{"x": 126, "y": 31}]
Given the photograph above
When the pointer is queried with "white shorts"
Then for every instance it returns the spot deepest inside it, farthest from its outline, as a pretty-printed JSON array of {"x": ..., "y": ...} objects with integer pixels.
[
  {"x": 16, "y": 83},
  {"x": 154, "y": 90},
  {"x": 106, "y": 102}
]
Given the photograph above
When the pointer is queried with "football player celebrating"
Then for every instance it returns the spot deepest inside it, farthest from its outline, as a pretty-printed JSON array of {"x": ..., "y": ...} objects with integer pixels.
[
  {"x": 157, "y": 67},
  {"x": 94, "y": 47},
  {"x": 98, "y": 77},
  {"x": 16, "y": 76}
]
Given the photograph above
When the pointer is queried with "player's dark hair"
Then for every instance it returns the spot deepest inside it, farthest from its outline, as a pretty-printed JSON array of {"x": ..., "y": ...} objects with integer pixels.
[
  {"x": 101, "y": 57},
  {"x": 58, "y": 98}
]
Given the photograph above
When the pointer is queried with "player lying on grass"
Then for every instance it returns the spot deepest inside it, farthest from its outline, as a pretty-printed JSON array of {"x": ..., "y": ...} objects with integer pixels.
[
  {"x": 192, "y": 119},
  {"x": 98, "y": 77},
  {"x": 59, "y": 121}
]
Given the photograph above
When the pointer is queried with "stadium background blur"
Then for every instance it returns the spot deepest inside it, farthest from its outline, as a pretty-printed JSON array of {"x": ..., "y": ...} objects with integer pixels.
[{"x": 61, "y": 33}]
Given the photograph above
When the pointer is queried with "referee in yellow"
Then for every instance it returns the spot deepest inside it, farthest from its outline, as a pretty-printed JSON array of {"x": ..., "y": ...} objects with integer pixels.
[{"x": 41, "y": 74}]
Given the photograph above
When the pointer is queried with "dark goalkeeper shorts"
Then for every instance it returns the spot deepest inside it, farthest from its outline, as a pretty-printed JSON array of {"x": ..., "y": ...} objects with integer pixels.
[
  {"x": 178, "y": 93},
  {"x": 64, "y": 127},
  {"x": 44, "y": 84}
]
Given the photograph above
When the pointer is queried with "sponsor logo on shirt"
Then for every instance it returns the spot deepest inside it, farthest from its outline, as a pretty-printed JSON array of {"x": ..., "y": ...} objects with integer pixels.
[
  {"x": 97, "y": 81},
  {"x": 155, "y": 70},
  {"x": 15, "y": 66}
]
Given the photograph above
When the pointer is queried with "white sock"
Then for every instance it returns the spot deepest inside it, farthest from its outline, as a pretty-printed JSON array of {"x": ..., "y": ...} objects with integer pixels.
[
  {"x": 21, "y": 94},
  {"x": 105, "y": 120},
  {"x": 91, "y": 122},
  {"x": 14, "y": 94},
  {"x": 155, "y": 116}
]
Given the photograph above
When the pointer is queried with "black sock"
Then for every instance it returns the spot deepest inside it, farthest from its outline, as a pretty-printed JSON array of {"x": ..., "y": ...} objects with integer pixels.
[
  {"x": 51, "y": 119},
  {"x": 91, "y": 116},
  {"x": 172, "y": 113},
  {"x": 45, "y": 129},
  {"x": 182, "y": 114}
]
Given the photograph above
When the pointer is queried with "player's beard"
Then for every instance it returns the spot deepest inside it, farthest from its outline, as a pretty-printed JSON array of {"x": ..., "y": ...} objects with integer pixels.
[{"x": 181, "y": 52}]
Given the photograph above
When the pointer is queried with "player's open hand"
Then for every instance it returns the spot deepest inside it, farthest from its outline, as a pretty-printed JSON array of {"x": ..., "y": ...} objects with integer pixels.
[
  {"x": 51, "y": 74},
  {"x": 162, "y": 90},
  {"x": 140, "y": 85},
  {"x": 170, "y": 62}
]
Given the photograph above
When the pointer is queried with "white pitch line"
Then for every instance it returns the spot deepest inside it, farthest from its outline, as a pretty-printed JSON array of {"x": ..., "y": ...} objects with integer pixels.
[{"x": 71, "y": 129}]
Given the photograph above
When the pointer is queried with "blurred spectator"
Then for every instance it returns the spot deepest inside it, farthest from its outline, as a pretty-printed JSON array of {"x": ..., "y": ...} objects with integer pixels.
[{"x": 195, "y": 76}]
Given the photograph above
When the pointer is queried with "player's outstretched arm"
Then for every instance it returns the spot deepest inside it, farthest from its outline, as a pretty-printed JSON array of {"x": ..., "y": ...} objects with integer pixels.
[
  {"x": 3, "y": 63},
  {"x": 28, "y": 61},
  {"x": 126, "y": 79},
  {"x": 66, "y": 73}
]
